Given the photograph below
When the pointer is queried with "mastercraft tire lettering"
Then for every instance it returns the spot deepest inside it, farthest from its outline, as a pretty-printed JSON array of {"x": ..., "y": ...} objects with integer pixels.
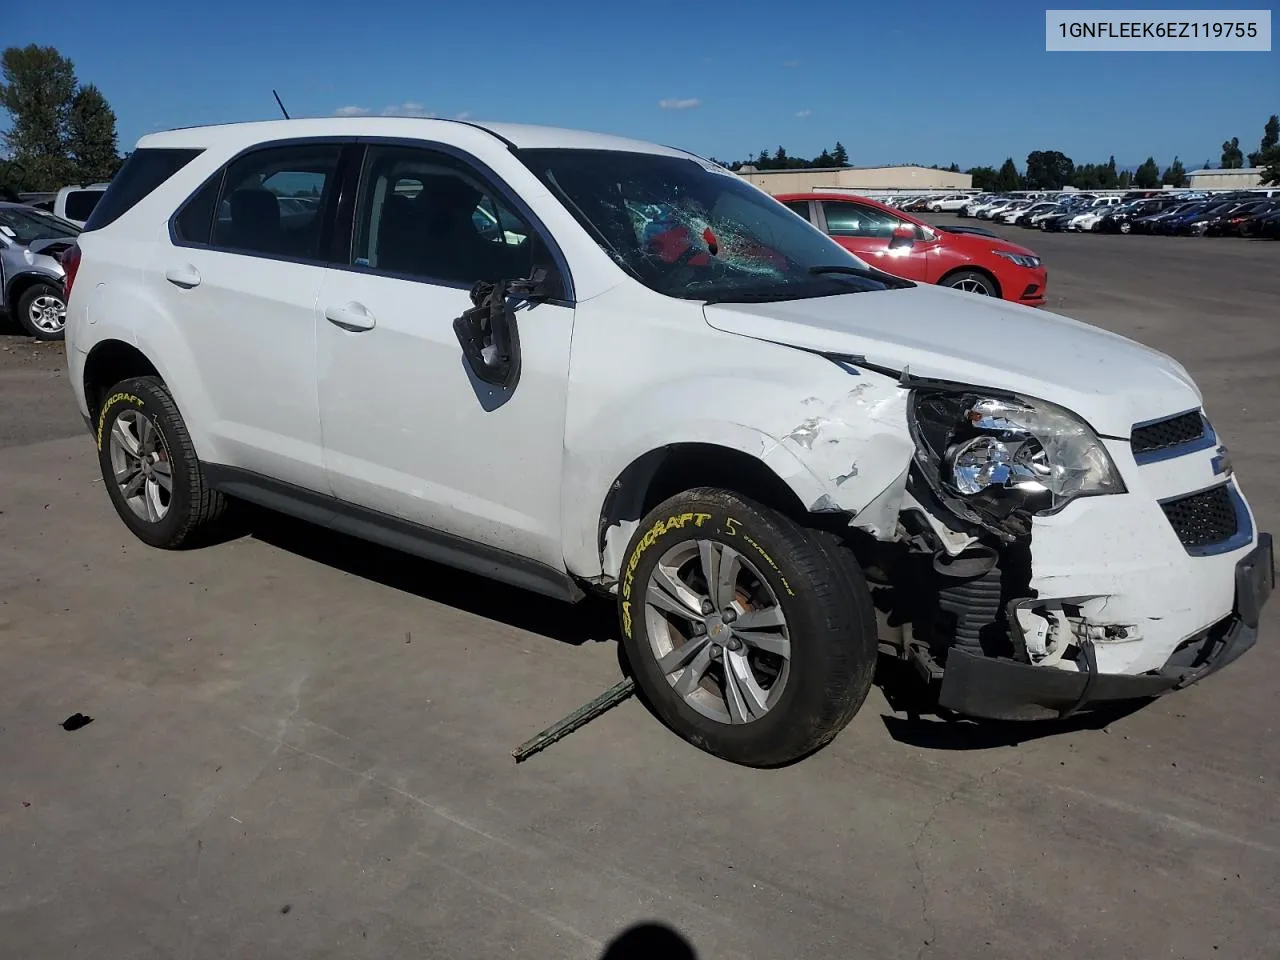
[
  {"x": 750, "y": 636},
  {"x": 150, "y": 468}
]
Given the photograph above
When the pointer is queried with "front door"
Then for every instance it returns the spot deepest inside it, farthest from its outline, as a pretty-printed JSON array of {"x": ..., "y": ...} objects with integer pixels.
[
  {"x": 409, "y": 431},
  {"x": 867, "y": 232}
]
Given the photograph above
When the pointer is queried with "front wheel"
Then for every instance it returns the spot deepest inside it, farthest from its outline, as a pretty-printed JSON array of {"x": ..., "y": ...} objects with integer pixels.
[
  {"x": 751, "y": 637},
  {"x": 972, "y": 282},
  {"x": 42, "y": 311}
]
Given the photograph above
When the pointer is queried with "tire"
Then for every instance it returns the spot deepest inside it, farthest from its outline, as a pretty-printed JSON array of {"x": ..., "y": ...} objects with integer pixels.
[
  {"x": 141, "y": 409},
  {"x": 973, "y": 282},
  {"x": 42, "y": 311},
  {"x": 827, "y": 628}
]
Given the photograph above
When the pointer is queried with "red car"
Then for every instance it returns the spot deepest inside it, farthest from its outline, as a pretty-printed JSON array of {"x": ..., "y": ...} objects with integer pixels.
[{"x": 901, "y": 244}]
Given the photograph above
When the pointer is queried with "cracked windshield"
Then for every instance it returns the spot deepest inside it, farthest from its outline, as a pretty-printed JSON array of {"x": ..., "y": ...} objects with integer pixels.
[{"x": 692, "y": 231}]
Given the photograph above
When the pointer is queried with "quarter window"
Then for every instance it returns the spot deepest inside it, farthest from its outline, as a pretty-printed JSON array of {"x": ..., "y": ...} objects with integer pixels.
[
  {"x": 427, "y": 216},
  {"x": 272, "y": 200},
  {"x": 798, "y": 206}
]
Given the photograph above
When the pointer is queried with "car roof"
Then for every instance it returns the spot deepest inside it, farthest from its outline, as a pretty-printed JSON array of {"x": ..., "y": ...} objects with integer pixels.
[{"x": 520, "y": 136}]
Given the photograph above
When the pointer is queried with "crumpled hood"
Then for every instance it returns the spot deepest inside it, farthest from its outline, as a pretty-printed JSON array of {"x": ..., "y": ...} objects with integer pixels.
[{"x": 944, "y": 334}]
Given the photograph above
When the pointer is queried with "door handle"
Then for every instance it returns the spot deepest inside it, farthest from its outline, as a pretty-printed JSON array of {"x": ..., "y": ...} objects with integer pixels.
[
  {"x": 353, "y": 316},
  {"x": 185, "y": 276}
]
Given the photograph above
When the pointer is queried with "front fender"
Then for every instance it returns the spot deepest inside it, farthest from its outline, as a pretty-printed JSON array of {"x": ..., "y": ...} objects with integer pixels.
[{"x": 844, "y": 448}]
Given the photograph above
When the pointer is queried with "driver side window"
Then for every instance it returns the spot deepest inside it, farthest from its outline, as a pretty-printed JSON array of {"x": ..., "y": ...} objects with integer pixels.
[{"x": 426, "y": 216}]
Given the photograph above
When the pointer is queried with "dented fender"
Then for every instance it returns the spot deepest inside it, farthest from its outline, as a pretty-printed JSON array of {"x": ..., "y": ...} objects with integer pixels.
[
  {"x": 838, "y": 440},
  {"x": 858, "y": 449}
]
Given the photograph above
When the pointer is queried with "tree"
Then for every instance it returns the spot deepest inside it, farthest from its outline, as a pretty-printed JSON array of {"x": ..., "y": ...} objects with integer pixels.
[
  {"x": 1270, "y": 163},
  {"x": 1048, "y": 170},
  {"x": 38, "y": 88},
  {"x": 954, "y": 168},
  {"x": 1108, "y": 175},
  {"x": 840, "y": 155},
  {"x": 1147, "y": 176},
  {"x": 1175, "y": 176},
  {"x": 91, "y": 136},
  {"x": 1008, "y": 178},
  {"x": 1232, "y": 155},
  {"x": 1270, "y": 138},
  {"x": 984, "y": 178},
  {"x": 824, "y": 159},
  {"x": 1124, "y": 181}
]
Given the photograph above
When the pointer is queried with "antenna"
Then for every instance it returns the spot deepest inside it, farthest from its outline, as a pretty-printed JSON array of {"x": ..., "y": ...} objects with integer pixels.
[{"x": 282, "y": 109}]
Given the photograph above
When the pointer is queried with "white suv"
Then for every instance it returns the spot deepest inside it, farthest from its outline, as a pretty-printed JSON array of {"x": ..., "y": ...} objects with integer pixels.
[{"x": 581, "y": 363}]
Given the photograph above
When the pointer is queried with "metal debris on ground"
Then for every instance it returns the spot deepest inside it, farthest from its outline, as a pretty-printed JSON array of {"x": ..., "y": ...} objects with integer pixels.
[{"x": 580, "y": 717}]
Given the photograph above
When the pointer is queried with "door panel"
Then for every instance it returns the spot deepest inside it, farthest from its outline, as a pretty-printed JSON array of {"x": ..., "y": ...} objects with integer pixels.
[
  {"x": 241, "y": 285},
  {"x": 409, "y": 430},
  {"x": 866, "y": 232}
]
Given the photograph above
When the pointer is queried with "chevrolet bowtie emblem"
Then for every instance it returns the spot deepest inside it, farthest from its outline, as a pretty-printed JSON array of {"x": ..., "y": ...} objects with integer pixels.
[{"x": 1222, "y": 462}]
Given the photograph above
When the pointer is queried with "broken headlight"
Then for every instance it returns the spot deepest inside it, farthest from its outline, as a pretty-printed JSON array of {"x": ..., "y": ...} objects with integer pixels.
[{"x": 999, "y": 460}]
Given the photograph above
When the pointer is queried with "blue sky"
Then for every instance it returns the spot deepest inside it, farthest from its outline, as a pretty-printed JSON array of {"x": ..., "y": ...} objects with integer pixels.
[{"x": 931, "y": 81}]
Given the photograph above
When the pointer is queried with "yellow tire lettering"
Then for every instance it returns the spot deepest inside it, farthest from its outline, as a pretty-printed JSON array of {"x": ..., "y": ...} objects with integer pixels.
[
  {"x": 111, "y": 400},
  {"x": 673, "y": 522},
  {"x": 732, "y": 524}
]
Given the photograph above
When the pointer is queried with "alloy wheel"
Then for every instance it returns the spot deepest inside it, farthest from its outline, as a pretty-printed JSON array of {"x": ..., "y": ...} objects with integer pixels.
[
  {"x": 140, "y": 465},
  {"x": 717, "y": 631},
  {"x": 47, "y": 313}
]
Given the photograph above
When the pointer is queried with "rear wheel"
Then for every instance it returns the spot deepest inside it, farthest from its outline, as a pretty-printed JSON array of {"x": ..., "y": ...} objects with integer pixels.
[
  {"x": 150, "y": 468},
  {"x": 751, "y": 637},
  {"x": 42, "y": 311},
  {"x": 972, "y": 282}
]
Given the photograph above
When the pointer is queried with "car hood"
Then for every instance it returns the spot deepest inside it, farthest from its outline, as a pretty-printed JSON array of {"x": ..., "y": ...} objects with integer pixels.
[
  {"x": 943, "y": 334},
  {"x": 980, "y": 244}
]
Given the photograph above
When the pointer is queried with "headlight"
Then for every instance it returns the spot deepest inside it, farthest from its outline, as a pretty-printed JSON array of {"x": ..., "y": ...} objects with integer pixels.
[
  {"x": 999, "y": 460},
  {"x": 1018, "y": 258}
]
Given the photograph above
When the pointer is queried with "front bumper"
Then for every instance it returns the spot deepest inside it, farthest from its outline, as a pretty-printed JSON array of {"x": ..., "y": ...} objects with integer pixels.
[{"x": 1004, "y": 689}]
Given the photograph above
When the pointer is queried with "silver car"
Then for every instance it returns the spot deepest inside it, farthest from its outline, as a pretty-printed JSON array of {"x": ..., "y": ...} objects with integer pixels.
[{"x": 31, "y": 275}]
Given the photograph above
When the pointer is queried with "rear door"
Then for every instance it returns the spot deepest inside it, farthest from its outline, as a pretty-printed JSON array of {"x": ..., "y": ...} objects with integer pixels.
[
  {"x": 241, "y": 273},
  {"x": 867, "y": 232}
]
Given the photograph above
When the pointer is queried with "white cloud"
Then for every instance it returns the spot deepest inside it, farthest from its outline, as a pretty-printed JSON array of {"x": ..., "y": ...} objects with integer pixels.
[
  {"x": 407, "y": 109},
  {"x": 686, "y": 104},
  {"x": 804, "y": 113},
  {"x": 351, "y": 112},
  {"x": 464, "y": 115}
]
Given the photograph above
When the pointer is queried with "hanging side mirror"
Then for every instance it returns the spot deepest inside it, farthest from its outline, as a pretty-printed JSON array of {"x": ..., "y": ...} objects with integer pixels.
[{"x": 488, "y": 333}]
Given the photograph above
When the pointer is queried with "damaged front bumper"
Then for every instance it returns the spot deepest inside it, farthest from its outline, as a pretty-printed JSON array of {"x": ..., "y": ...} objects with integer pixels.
[{"x": 1005, "y": 689}]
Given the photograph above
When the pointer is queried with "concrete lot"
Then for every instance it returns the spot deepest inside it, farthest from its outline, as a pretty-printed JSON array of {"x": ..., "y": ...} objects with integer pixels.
[{"x": 301, "y": 745}]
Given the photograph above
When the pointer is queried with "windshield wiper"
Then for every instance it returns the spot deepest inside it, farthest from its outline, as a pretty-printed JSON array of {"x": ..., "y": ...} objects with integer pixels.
[{"x": 869, "y": 273}]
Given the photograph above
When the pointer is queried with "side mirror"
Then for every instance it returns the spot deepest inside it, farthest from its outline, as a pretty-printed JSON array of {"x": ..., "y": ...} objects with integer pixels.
[
  {"x": 488, "y": 333},
  {"x": 904, "y": 235}
]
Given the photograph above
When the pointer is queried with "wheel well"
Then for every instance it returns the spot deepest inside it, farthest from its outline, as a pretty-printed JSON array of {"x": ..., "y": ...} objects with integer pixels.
[
  {"x": 107, "y": 364},
  {"x": 972, "y": 269},
  {"x": 662, "y": 473},
  {"x": 22, "y": 283}
]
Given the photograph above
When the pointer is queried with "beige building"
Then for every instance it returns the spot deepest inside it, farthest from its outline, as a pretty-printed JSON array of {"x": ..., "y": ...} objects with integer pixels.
[
  {"x": 805, "y": 180},
  {"x": 1241, "y": 178}
]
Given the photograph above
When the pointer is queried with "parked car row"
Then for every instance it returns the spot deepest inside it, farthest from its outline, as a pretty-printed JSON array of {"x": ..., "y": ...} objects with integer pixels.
[
  {"x": 32, "y": 242},
  {"x": 1247, "y": 213}
]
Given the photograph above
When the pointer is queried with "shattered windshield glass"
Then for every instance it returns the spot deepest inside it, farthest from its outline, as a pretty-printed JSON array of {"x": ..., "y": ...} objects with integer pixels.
[{"x": 695, "y": 231}]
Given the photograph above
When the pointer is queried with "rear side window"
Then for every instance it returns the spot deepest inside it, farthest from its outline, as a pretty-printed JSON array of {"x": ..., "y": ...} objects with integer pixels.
[
  {"x": 144, "y": 171},
  {"x": 273, "y": 199},
  {"x": 81, "y": 203}
]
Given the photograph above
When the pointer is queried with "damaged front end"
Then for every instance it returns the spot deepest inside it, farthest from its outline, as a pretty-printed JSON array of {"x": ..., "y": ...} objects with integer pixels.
[{"x": 1022, "y": 609}]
